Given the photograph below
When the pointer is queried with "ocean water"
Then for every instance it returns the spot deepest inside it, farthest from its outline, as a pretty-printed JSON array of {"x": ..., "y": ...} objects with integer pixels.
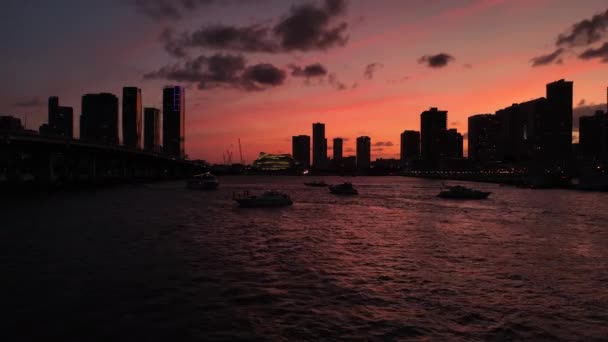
[{"x": 159, "y": 262}]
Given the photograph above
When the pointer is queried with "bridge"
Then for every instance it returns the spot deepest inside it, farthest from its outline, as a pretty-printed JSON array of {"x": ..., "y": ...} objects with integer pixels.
[{"x": 31, "y": 159}]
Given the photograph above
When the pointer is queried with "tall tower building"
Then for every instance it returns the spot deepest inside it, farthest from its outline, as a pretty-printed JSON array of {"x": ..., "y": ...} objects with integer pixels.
[
  {"x": 131, "y": 117},
  {"x": 338, "y": 148},
  {"x": 99, "y": 118},
  {"x": 484, "y": 138},
  {"x": 174, "y": 110},
  {"x": 301, "y": 150},
  {"x": 364, "y": 148},
  {"x": 151, "y": 129},
  {"x": 410, "y": 145},
  {"x": 557, "y": 123},
  {"x": 433, "y": 124},
  {"x": 60, "y": 119},
  {"x": 319, "y": 145}
]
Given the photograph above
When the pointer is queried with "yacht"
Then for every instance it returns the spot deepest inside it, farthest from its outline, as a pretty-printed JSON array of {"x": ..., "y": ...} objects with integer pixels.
[
  {"x": 205, "y": 181},
  {"x": 343, "y": 189},
  {"x": 461, "y": 192},
  {"x": 271, "y": 198}
]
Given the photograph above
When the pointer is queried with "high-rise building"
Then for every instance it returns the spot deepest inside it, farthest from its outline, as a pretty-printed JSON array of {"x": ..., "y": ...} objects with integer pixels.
[
  {"x": 557, "y": 123},
  {"x": 10, "y": 123},
  {"x": 131, "y": 117},
  {"x": 364, "y": 147},
  {"x": 301, "y": 150},
  {"x": 338, "y": 148},
  {"x": 60, "y": 120},
  {"x": 484, "y": 137},
  {"x": 174, "y": 110},
  {"x": 593, "y": 135},
  {"x": 452, "y": 144},
  {"x": 99, "y": 118},
  {"x": 433, "y": 124},
  {"x": 410, "y": 145},
  {"x": 151, "y": 129},
  {"x": 319, "y": 145}
]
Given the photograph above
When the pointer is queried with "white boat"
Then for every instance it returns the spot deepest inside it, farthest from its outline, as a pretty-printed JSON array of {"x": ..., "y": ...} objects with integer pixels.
[
  {"x": 205, "y": 181},
  {"x": 267, "y": 199}
]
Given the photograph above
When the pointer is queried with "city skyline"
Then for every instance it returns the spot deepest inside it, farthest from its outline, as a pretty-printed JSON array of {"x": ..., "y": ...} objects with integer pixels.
[{"x": 383, "y": 104}]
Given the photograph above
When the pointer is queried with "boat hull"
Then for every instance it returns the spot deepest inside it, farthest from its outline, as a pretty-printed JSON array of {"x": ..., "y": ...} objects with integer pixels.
[
  {"x": 261, "y": 203},
  {"x": 478, "y": 195}
]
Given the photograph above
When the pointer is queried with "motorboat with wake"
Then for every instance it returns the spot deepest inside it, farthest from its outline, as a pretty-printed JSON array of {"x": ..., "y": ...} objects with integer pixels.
[
  {"x": 345, "y": 188},
  {"x": 205, "y": 181},
  {"x": 461, "y": 192},
  {"x": 271, "y": 198}
]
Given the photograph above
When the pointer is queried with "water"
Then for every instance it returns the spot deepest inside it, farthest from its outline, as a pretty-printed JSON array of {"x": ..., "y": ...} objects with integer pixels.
[{"x": 162, "y": 263}]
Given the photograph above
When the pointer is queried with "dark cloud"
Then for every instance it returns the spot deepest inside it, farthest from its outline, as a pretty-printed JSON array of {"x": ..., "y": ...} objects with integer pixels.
[
  {"x": 370, "y": 69},
  {"x": 307, "y": 27},
  {"x": 582, "y": 102},
  {"x": 377, "y": 149},
  {"x": 29, "y": 103},
  {"x": 350, "y": 150},
  {"x": 312, "y": 70},
  {"x": 585, "y": 32},
  {"x": 332, "y": 79},
  {"x": 436, "y": 61},
  {"x": 585, "y": 110},
  {"x": 554, "y": 57},
  {"x": 221, "y": 71},
  {"x": 167, "y": 9},
  {"x": 383, "y": 143},
  {"x": 580, "y": 35},
  {"x": 599, "y": 53}
]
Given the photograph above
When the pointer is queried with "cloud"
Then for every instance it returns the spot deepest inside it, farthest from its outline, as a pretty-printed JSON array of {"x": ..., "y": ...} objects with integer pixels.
[
  {"x": 468, "y": 66},
  {"x": 585, "y": 32},
  {"x": 307, "y": 27},
  {"x": 585, "y": 110},
  {"x": 599, "y": 53},
  {"x": 333, "y": 81},
  {"x": 553, "y": 57},
  {"x": 582, "y": 34},
  {"x": 582, "y": 102},
  {"x": 436, "y": 61},
  {"x": 383, "y": 143},
  {"x": 377, "y": 149},
  {"x": 29, "y": 103},
  {"x": 221, "y": 70},
  {"x": 350, "y": 150},
  {"x": 370, "y": 69},
  {"x": 168, "y": 9},
  {"x": 312, "y": 70}
]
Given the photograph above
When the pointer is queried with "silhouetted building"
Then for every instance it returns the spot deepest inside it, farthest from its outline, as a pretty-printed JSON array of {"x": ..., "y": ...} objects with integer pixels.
[
  {"x": 410, "y": 145},
  {"x": 151, "y": 129},
  {"x": 60, "y": 120},
  {"x": 174, "y": 110},
  {"x": 319, "y": 145},
  {"x": 300, "y": 147},
  {"x": 521, "y": 130},
  {"x": 99, "y": 118},
  {"x": 433, "y": 124},
  {"x": 131, "y": 117},
  {"x": 338, "y": 147},
  {"x": 593, "y": 135},
  {"x": 364, "y": 147},
  {"x": 484, "y": 138},
  {"x": 557, "y": 124},
  {"x": 10, "y": 123},
  {"x": 451, "y": 144}
]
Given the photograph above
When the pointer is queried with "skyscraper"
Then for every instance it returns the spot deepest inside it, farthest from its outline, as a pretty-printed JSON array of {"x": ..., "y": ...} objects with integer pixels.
[
  {"x": 131, "y": 117},
  {"x": 338, "y": 147},
  {"x": 484, "y": 137},
  {"x": 364, "y": 147},
  {"x": 319, "y": 145},
  {"x": 410, "y": 145},
  {"x": 174, "y": 110},
  {"x": 151, "y": 129},
  {"x": 60, "y": 119},
  {"x": 593, "y": 135},
  {"x": 433, "y": 124},
  {"x": 557, "y": 124},
  {"x": 301, "y": 150},
  {"x": 452, "y": 144},
  {"x": 99, "y": 118}
]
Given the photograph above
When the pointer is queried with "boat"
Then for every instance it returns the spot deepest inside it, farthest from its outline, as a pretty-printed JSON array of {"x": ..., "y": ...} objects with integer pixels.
[
  {"x": 318, "y": 184},
  {"x": 461, "y": 192},
  {"x": 271, "y": 198},
  {"x": 205, "y": 181},
  {"x": 343, "y": 189}
]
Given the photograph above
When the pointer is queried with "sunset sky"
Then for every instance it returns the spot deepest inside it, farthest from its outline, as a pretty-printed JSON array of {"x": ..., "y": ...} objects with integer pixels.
[{"x": 265, "y": 70}]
